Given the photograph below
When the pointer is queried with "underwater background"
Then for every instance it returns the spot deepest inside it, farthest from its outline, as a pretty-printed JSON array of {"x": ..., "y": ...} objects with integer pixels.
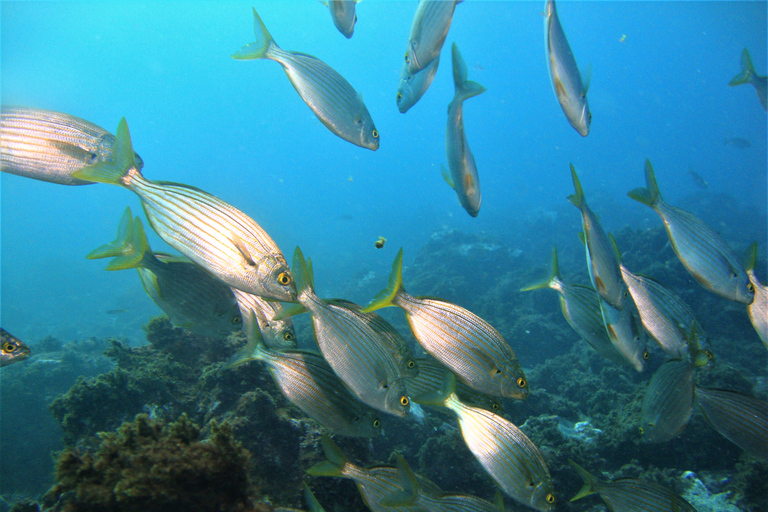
[{"x": 239, "y": 131}]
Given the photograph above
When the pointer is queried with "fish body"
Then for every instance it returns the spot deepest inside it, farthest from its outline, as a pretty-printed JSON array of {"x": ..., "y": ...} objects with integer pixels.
[
  {"x": 748, "y": 76},
  {"x": 758, "y": 310},
  {"x": 465, "y": 343},
  {"x": 333, "y": 100},
  {"x": 698, "y": 180},
  {"x": 277, "y": 334},
  {"x": 343, "y": 14},
  {"x": 741, "y": 419},
  {"x": 571, "y": 92},
  {"x": 214, "y": 234},
  {"x": 700, "y": 249},
  {"x": 191, "y": 297},
  {"x": 50, "y": 146},
  {"x": 625, "y": 330},
  {"x": 412, "y": 86},
  {"x": 428, "y": 32},
  {"x": 461, "y": 163},
  {"x": 631, "y": 495},
  {"x": 12, "y": 349},
  {"x": 668, "y": 401}
]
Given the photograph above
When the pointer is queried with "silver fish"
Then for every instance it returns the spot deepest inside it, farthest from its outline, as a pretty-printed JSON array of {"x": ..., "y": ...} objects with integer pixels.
[
  {"x": 631, "y": 495},
  {"x": 306, "y": 379},
  {"x": 428, "y": 32},
  {"x": 668, "y": 401},
  {"x": 461, "y": 163},
  {"x": 758, "y": 310},
  {"x": 741, "y": 419},
  {"x": 277, "y": 334},
  {"x": 700, "y": 249},
  {"x": 343, "y": 14},
  {"x": 191, "y": 297},
  {"x": 465, "y": 343},
  {"x": 333, "y": 100},
  {"x": 748, "y": 76},
  {"x": 412, "y": 86},
  {"x": 214, "y": 234},
  {"x": 12, "y": 349},
  {"x": 626, "y": 332},
  {"x": 50, "y": 146},
  {"x": 571, "y": 92}
]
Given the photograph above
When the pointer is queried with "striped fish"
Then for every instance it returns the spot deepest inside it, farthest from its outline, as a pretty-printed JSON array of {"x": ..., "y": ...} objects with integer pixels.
[
  {"x": 306, "y": 379},
  {"x": 12, "y": 349},
  {"x": 191, "y": 297},
  {"x": 215, "y": 235},
  {"x": 748, "y": 76},
  {"x": 428, "y": 32},
  {"x": 333, "y": 100},
  {"x": 277, "y": 334},
  {"x": 758, "y": 310},
  {"x": 412, "y": 86},
  {"x": 581, "y": 308},
  {"x": 626, "y": 332},
  {"x": 631, "y": 495},
  {"x": 741, "y": 419},
  {"x": 602, "y": 264},
  {"x": 700, "y": 249},
  {"x": 343, "y": 14},
  {"x": 668, "y": 401},
  {"x": 50, "y": 146},
  {"x": 359, "y": 355},
  {"x": 503, "y": 450},
  {"x": 375, "y": 484},
  {"x": 571, "y": 92},
  {"x": 465, "y": 343},
  {"x": 463, "y": 176}
]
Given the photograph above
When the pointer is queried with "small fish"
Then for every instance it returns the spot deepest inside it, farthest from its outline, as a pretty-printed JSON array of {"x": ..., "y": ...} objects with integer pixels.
[
  {"x": 631, "y": 495},
  {"x": 463, "y": 176},
  {"x": 214, "y": 234},
  {"x": 758, "y": 310},
  {"x": 741, "y": 419},
  {"x": 700, "y": 249},
  {"x": 306, "y": 379},
  {"x": 333, "y": 100},
  {"x": 343, "y": 14},
  {"x": 428, "y": 32},
  {"x": 462, "y": 341},
  {"x": 668, "y": 401},
  {"x": 748, "y": 76},
  {"x": 50, "y": 146},
  {"x": 12, "y": 348},
  {"x": 191, "y": 297},
  {"x": 571, "y": 92},
  {"x": 412, "y": 86},
  {"x": 738, "y": 142},
  {"x": 379, "y": 244},
  {"x": 503, "y": 450},
  {"x": 698, "y": 180},
  {"x": 116, "y": 311},
  {"x": 277, "y": 334}
]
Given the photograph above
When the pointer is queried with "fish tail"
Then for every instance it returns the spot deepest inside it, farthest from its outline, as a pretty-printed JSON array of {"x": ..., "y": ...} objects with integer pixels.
[
  {"x": 650, "y": 195},
  {"x": 312, "y": 503},
  {"x": 334, "y": 466},
  {"x": 465, "y": 88},
  {"x": 386, "y": 297},
  {"x": 747, "y": 73},
  {"x": 590, "y": 483},
  {"x": 123, "y": 160},
  {"x": 410, "y": 487},
  {"x": 577, "y": 199},
  {"x": 252, "y": 349},
  {"x": 125, "y": 250},
  {"x": 258, "y": 49},
  {"x": 750, "y": 257},
  {"x": 554, "y": 275}
]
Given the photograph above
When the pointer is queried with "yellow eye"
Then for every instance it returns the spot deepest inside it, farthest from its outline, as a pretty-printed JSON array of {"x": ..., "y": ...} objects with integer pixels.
[
  {"x": 375, "y": 134},
  {"x": 642, "y": 431},
  {"x": 710, "y": 355},
  {"x": 404, "y": 401},
  {"x": 236, "y": 320},
  {"x": 495, "y": 406},
  {"x": 407, "y": 58},
  {"x": 377, "y": 423},
  {"x": 751, "y": 288},
  {"x": 399, "y": 96},
  {"x": 550, "y": 498},
  {"x": 521, "y": 382},
  {"x": 411, "y": 363},
  {"x": 646, "y": 355},
  {"x": 284, "y": 278},
  {"x": 288, "y": 336},
  {"x": 9, "y": 347}
]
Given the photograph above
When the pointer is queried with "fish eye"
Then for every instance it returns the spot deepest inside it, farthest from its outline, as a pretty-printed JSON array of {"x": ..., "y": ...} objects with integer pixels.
[
  {"x": 404, "y": 401},
  {"x": 377, "y": 423},
  {"x": 495, "y": 406},
  {"x": 710, "y": 355},
  {"x": 642, "y": 431},
  {"x": 288, "y": 336},
  {"x": 407, "y": 59},
  {"x": 521, "y": 382},
  {"x": 9, "y": 347},
  {"x": 550, "y": 498},
  {"x": 399, "y": 96},
  {"x": 284, "y": 278},
  {"x": 236, "y": 320},
  {"x": 646, "y": 355},
  {"x": 375, "y": 134},
  {"x": 751, "y": 288},
  {"x": 411, "y": 363}
]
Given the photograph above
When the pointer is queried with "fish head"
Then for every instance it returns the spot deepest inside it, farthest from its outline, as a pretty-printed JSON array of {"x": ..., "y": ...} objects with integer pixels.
[
  {"x": 367, "y": 424},
  {"x": 745, "y": 288},
  {"x": 405, "y": 94},
  {"x": 397, "y": 401},
  {"x": 275, "y": 280},
  {"x": 13, "y": 349},
  {"x": 279, "y": 334},
  {"x": 512, "y": 381},
  {"x": 542, "y": 495},
  {"x": 584, "y": 120},
  {"x": 369, "y": 135},
  {"x": 344, "y": 16}
]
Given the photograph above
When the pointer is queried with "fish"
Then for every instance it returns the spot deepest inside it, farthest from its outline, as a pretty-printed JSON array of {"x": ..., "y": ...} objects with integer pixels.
[
  {"x": 214, "y": 234},
  {"x": 428, "y": 32},
  {"x": 701, "y": 250},
  {"x": 359, "y": 355},
  {"x": 566, "y": 80},
  {"x": 306, "y": 379},
  {"x": 758, "y": 310},
  {"x": 463, "y": 176},
  {"x": 50, "y": 146},
  {"x": 668, "y": 401},
  {"x": 12, "y": 349},
  {"x": 191, "y": 297},
  {"x": 503, "y": 450},
  {"x": 740, "y": 418},
  {"x": 328, "y": 94},
  {"x": 738, "y": 142},
  {"x": 604, "y": 272},
  {"x": 626, "y": 332},
  {"x": 748, "y": 76},
  {"x": 581, "y": 308},
  {"x": 412, "y": 86},
  {"x": 379, "y": 244},
  {"x": 462, "y": 341},
  {"x": 631, "y": 495},
  {"x": 343, "y": 14},
  {"x": 698, "y": 180},
  {"x": 277, "y": 334},
  {"x": 375, "y": 483}
]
